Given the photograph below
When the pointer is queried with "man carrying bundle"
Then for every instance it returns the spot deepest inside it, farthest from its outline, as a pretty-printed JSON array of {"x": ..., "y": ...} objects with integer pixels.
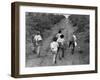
[
  {"x": 37, "y": 42},
  {"x": 72, "y": 43}
]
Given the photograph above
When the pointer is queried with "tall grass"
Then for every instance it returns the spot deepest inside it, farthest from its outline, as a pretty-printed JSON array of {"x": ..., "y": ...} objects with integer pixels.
[{"x": 81, "y": 22}]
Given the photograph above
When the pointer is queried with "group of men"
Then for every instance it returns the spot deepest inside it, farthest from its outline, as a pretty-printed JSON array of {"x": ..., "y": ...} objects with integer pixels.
[{"x": 57, "y": 45}]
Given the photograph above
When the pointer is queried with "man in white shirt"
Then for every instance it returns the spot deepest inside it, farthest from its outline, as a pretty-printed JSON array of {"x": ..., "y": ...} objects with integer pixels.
[
  {"x": 54, "y": 48},
  {"x": 61, "y": 42},
  {"x": 73, "y": 43},
  {"x": 59, "y": 33},
  {"x": 38, "y": 41}
]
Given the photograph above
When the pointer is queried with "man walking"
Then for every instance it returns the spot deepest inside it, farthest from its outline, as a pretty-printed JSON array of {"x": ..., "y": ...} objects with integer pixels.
[
  {"x": 61, "y": 42},
  {"x": 72, "y": 43},
  {"x": 54, "y": 49},
  {"x": 38, "y": 42}
]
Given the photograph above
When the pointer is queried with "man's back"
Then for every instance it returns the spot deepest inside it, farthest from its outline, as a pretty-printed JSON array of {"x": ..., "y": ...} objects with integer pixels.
[
  {"x": 73, "y": 38},
  {"x": 54, "y": 46},
  {"x": 37, "y": 37}
]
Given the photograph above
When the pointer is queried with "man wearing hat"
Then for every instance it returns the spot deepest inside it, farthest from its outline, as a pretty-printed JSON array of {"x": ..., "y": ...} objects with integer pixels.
[{"x": 38, "y": 41}]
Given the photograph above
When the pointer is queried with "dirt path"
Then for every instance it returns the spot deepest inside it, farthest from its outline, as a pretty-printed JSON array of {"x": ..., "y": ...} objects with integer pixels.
[{"x": 46, "y": 58}]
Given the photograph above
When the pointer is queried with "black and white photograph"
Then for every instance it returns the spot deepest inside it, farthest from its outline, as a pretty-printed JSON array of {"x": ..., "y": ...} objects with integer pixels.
[
  {"x": 51, "y": 39},
  {"x": 57, "y": 39}
]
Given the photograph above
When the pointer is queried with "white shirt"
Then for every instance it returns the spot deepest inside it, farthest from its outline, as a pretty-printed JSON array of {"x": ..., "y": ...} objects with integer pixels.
[
  {"x": 58, "y": 35},
  {"x": 37, "y": 38},
  {"x": 54, "y": 46},
  {"x": 74, "y": 37},
  {"x": 60, "y": 40},
  {"x": 75, "y": 40}
]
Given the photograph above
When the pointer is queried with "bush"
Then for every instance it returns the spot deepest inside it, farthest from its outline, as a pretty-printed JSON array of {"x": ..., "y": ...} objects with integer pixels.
[
  {"x": 42, "y": 22},
  {"x": 80, "y": 21},
  {"x": 82, "y": 24}
]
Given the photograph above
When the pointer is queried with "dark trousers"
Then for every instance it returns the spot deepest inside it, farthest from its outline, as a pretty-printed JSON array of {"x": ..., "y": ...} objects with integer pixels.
[
  {"x": 61, "y": 54},
  {"x": 72, "y": 45}
]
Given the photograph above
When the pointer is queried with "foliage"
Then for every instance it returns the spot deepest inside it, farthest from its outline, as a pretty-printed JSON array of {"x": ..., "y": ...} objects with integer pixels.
[
  {"x": 40, "y": 22},
  {"x": 82, "y": 24},
  {"x": 80, "y": 21}
]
